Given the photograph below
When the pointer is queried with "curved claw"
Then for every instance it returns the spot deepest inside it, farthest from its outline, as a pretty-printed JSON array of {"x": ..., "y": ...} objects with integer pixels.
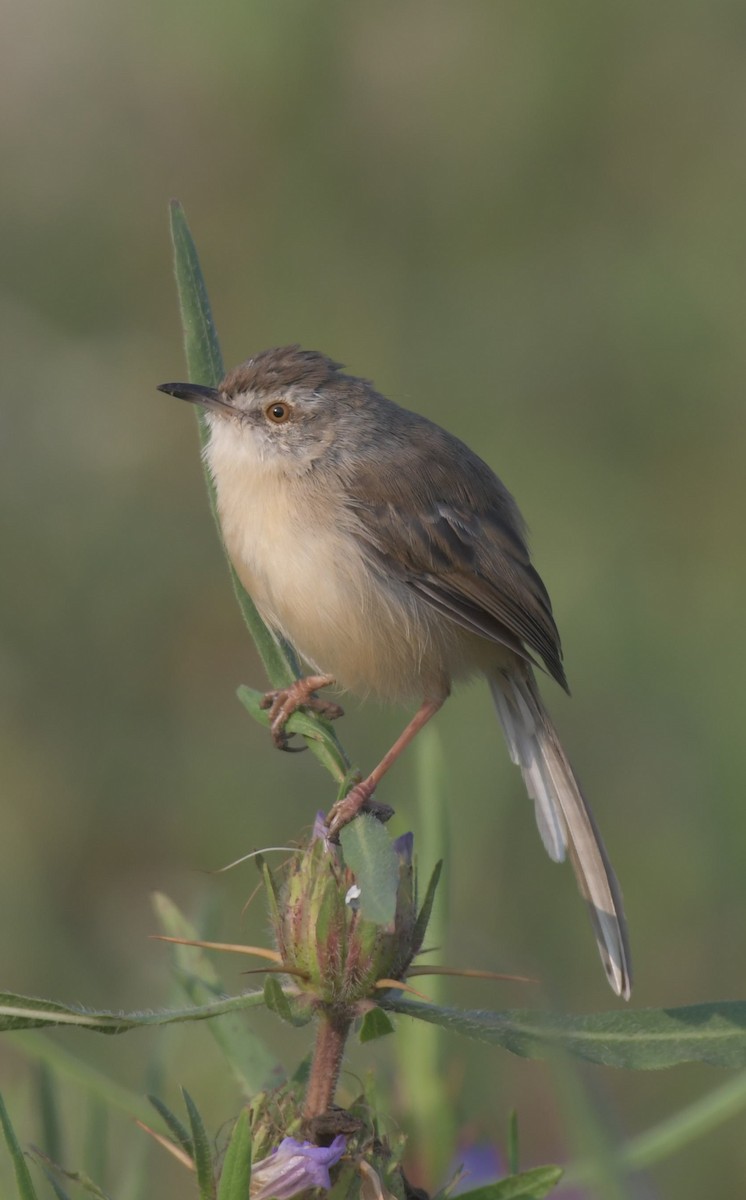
[
  {"x": 290, "y": 749},
  {"x": 283, "y": 702}
]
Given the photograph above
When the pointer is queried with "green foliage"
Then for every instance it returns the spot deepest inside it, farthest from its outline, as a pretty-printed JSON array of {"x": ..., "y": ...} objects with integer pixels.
[
  {"x": 643, "y": 1039},
  {"x": 29, "y": 1012},
  {"x": 375, "y": 1024},
  {"x": 278, "y": 1002},
  {"x": 369, "y": 854},
  {"x": 205, "y": 365},
  {"x": 203, "y": 1156},
  {"x": 26, "y": 1190},
  {"x": 309, "y": 725},
  {"x": 529, "y": 1185},
  {"x": 176, "y": 1127},
  {"x": 235, "y": 1174}
]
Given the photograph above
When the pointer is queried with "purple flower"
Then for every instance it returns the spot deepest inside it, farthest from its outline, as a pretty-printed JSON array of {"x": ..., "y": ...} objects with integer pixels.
[
  {"x": 476, "y": 1165},
  {"x": 293, "y": 1167},
  {"x": 319, "y": 832}
]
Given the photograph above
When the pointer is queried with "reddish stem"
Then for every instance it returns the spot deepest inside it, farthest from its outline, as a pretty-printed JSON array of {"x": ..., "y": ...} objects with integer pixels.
[{"x": 331, "y": 1036}]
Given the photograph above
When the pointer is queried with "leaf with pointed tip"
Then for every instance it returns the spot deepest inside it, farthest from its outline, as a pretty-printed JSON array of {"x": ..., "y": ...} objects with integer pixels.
[
  {"x": 313, "y": 728},
  {"x": 235, "y": 1176},
  {"x": 423, "y": 916},
  {"x": 178, "y": 1130},
  {"x": 371, "y": 857},
  {"x": 26, "y": 1190},
  {"x": 203, "y": 1160},
  {"x": 375, "y": 1024},
  {"x": 641, "y": 1039},
  {"x": 277, "y": 1002},
  {"x": 27, "y": 1012},
  {"x": 529, "y": 1185},
  {"x": 205, "y": 365}
]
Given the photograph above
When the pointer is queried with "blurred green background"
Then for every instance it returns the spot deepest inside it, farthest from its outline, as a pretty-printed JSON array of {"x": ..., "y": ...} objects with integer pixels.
[{"x": 525, "y": 221}]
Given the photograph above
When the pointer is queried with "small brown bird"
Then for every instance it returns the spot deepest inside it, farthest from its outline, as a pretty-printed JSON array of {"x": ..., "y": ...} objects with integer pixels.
[{"x": 396, "y": 563}]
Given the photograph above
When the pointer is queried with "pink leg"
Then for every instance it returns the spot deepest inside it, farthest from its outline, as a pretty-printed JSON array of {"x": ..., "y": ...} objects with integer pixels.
[{"x": 359, "y": 796}]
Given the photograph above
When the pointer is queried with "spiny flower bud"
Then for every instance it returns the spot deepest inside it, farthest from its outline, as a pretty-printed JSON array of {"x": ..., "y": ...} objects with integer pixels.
[{"x": 336, "y": 952}]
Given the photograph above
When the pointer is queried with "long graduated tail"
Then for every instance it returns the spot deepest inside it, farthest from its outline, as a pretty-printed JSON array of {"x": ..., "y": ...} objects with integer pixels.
[{"x": 564, "y": 819}]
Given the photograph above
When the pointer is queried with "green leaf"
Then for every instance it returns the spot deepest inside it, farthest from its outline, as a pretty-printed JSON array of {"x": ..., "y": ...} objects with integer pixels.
[
  {"x": 252, "y": 1063},
  {"x": 423, "y": 916},
  {"x": 375, "y": 1024},
  {"x": 203, "y": 1161},
  {"x": 26, "y": 1190},
  {"x": 28, "y": 1012},
  {"x": 178, "y": 1130},
  {"x": 369, "y": 854},
  {"x": 642, "y": 1039},
  {"x": 204, "y": 360},
  {"x": 205, "y": 365},
  {"x": 313, "y": 728},
  {"x": 529, "y": 1185},
  {"x": 235, "y": 1176},
  {"x": 277, "y": 1002}
]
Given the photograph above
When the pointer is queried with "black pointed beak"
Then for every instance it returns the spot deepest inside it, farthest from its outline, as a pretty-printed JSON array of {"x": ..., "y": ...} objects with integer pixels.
[{"x": 195, "y": 393}]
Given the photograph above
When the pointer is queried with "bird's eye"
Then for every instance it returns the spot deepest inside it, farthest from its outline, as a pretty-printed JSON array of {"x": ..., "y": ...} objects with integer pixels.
[{"x": 278, "y": 412}]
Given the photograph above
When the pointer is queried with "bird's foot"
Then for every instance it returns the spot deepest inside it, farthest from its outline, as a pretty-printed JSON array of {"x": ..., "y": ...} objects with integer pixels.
[
  {"x": 283, "y": 702},
  {"x": 358, "y": 799}
]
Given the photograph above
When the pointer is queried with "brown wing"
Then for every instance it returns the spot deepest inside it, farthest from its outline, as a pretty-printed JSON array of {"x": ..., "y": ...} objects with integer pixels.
[{"x": 456, "y": 538}]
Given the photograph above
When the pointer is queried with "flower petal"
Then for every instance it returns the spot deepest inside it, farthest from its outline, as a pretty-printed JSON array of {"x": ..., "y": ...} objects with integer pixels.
[{"x": 293, "y": 1167}]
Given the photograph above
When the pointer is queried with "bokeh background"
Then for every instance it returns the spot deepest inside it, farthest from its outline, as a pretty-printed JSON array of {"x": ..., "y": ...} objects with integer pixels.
[{"x": 525, "y": 221}]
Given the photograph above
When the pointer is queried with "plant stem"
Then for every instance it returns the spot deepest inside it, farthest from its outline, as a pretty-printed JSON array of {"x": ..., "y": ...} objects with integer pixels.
[{"x": 331, "y": 1036}]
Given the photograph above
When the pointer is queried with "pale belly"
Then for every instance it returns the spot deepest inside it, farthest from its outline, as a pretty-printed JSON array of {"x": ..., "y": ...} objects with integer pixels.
[
  {"x": 309, "y": 578},
  {"x": 310, "y": 582}
]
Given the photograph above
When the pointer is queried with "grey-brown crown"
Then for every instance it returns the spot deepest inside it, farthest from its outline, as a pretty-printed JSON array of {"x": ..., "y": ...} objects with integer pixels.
[{"x": 281, "y": 367}]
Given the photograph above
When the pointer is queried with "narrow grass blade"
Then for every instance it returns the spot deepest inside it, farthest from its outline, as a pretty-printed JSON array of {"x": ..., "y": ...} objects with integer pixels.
[
  {"x": 203, "y": 1157},
  {"x": 26, "y": 1190},
  {"x": 176, "y": 1127},
  {"x": 420, "y": 1048},
  {"x": 205, "y": 365}
]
